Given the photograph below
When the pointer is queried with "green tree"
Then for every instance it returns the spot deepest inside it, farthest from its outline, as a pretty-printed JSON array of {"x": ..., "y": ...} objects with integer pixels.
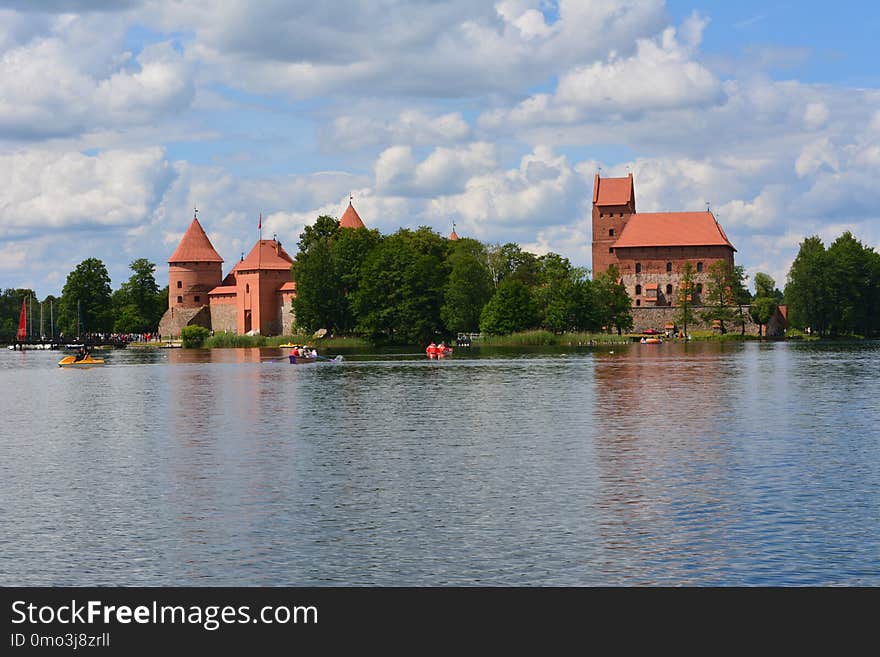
[
  {"x": 764, "y": 305},
  {"x": 319, "y": 293},
  {"x": 510, "y": 309},
  {"x": 808, "y": 290},
  {"x": 86, "y": 299},
  {"x": 136, "y": 304},
  {"x": 10, "y": 311},
  {"x": 509, "y": 260},
  {"x": 468, "y": 288},
  {"x": 400, "y": 290},
  {"x": 684, "y": 298},
  {"x": 725, "y": 291},
  {"x": 324, "y": 227},
  {"x": 613, "y": 304}
]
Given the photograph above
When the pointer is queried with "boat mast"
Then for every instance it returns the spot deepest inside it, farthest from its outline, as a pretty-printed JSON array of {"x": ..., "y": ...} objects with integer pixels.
[
  {"x": 42, "y": 333},
  {"x": 30, "y": 326},
  {"x": 52, "y": 319}
]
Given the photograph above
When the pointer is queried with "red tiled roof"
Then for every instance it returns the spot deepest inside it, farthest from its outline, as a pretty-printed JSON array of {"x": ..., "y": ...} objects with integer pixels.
[
  {"x": 224, "y": 289},
  {"x": 453, "y": 235},
  {"x": 613, "y": 191},
  {"x": 350, "y": 218},
  {"x": 672, "y": 229},
  {"x": 289, "y": 286},
  {"x": 195, "y": 246},
  {"x": 266, "y": 254}
]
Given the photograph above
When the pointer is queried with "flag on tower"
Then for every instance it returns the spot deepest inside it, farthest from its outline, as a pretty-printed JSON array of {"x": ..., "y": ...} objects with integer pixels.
[{"x": 260, "y": 225}]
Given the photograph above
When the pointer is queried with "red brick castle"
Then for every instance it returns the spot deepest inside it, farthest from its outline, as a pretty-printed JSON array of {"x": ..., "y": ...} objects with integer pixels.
[{"x": 649, "y": 249}]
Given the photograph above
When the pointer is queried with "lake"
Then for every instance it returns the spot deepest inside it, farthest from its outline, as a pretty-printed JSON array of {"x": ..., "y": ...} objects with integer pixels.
[{"x": 699, "y": 464}]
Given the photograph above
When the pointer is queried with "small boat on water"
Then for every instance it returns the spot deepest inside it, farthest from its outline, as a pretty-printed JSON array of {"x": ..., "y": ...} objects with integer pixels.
[
  {"x": 300, "y": 360},
  {"x": 438, "y": 351},
  {"x": 88, "y": 361},
  {"x": 651, "y": 340}
]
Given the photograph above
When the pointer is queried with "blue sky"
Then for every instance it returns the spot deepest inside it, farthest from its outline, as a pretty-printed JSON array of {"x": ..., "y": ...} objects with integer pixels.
[{"x": 117, "y": 118}]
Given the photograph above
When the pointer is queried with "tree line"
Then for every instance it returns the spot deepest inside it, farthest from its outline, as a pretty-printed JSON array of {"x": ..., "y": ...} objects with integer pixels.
[
  {"x": 415, "y": 285},
  {"x": 88, "y": 304},
  {"x": 836, "y": 290}
]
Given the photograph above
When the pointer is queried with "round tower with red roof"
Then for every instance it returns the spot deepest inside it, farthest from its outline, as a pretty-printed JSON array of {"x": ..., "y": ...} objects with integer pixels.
[{"x": 194, "y": 269}]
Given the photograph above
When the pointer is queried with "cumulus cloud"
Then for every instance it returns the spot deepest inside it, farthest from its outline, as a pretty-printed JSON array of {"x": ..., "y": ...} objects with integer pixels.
[
  {"x": 423, "y": 48},
  {"x": 71, "y": 190},
  {"x": 410, "y": 126},
  {"x": 442, "y": 172},
  {"x": 57, "y": 84}
]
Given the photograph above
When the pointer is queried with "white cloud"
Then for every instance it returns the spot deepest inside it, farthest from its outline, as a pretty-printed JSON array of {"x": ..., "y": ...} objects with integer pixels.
[
  {"x": 67, "y": 80},
  {"x": 71, "y": 190}
]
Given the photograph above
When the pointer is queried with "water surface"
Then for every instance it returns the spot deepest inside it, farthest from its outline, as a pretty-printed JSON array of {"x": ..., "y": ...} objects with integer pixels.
[{"x": 668, "y": 464}]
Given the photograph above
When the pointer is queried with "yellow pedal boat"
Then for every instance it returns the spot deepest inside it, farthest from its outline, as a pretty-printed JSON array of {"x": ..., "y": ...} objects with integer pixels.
[{"x": 71, "y": 361}]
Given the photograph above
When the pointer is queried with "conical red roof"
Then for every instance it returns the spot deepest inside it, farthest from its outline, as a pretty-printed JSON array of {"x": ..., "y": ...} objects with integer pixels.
[
  {"x": 350, "y": 218},
  {"x": 266, "y": 254},
  {"x": 195, "y": 246},
  {"x": 453, "y": 235}
]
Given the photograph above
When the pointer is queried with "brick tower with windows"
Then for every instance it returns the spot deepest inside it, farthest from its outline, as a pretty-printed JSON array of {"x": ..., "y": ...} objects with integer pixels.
[{"x": 614, "y": 202}]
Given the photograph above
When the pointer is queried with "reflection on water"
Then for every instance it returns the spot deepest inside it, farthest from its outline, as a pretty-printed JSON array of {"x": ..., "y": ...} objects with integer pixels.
[{"x": 643, "y": 464}]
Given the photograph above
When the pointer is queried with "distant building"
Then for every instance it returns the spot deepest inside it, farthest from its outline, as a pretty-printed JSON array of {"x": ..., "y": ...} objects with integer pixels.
[{"x": 650, "y": 249}]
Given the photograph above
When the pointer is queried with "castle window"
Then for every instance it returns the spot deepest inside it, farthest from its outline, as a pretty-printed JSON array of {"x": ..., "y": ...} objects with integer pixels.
[
  {"x": 247, "y": 288},
  {"x": 668, "y": 289},
  {"x": 668, "y": 267},
  {"x": 699, "y": 266},
  {"x": 179, "y": 299},
  {"x": 621, "y": 215},
  {"x": 196, "y": 298},
  {"x": 601, "y": 215},
  {"x": 638, "y": 267},
  {"x": 611, "y": 232},
  {"x": 699, "y": 288},
  {"x": 611, "y": 250},
  {"x": 638, "y": 289},
  {"x": 638, "y": 302},
  {"x": 179, "y": 285}
]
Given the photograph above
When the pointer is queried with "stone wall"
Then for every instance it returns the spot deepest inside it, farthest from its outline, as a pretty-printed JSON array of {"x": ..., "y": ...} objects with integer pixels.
[
  {"x": 223, "y": 317},
  {"x": 657, "y": 318},
  {"x": 287, "y": 317},
  {"x": 175, "y": 319}
]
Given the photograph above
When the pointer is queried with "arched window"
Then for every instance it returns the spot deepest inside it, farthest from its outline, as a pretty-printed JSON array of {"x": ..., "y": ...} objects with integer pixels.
[
  {"x": 638, "y": 302},
  {"x": 638, "y": 267},
  {"x": 611, "y": 232},
  {"x": 699, "y": 288},
  {"x": 669, "y": 289},
  {"x": 638, "y": 289},
  {"x": 700, "y": 267},
  {"x": 179, "y": 285},
  {"x": 668, "y": 267},
  {"x": 247, "y": 288}
]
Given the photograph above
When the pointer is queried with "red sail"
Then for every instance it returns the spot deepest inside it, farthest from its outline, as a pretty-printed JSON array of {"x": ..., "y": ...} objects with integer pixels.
[{"x": 22, "y": 323}]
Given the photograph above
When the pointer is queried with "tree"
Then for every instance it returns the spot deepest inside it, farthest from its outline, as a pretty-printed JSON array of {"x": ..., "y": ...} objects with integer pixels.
[
  {"x": 613, "y": 304},
  {"x": 136, "y": 304},
  {"x": 193, "y": 336},
  {"x": 764, "y": 305},
  {"x": 10, "y": 309},
  {"x": 509, "y": 260},
  {"x": 400, "y": 289},
  {"x": 807, "y": 291},
  {"x": 319, "y": 293},
  {"x": 324, "y": 226},
  {"x": 510, "y": 309},
  {"x": 468, "y": 288},
  {"x": 725, "y": 291},
  {"x": 684, "y": 297},
  {"x": 86, "y": 299}
]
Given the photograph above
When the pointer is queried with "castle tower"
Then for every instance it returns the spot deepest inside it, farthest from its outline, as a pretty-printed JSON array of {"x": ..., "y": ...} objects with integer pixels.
[
  {"x": 194, "y": 269},
  {"x": 350, "y": 218},
  {"x": 614, "y": 202},
  {"x": 261, "y": 280}
]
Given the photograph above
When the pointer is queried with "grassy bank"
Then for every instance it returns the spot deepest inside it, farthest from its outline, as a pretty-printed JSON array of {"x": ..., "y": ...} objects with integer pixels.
[
  {"x": 549, "y": 339},
  {"x": 233, "y": 340}
]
